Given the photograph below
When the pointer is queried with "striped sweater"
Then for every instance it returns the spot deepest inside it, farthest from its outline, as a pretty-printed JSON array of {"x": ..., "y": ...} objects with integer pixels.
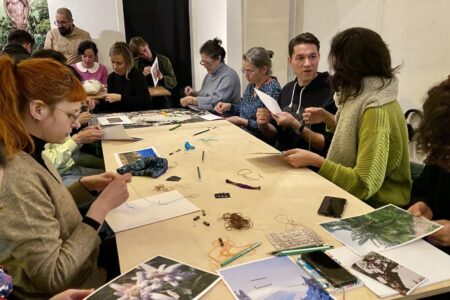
[{"x": 369, "y": 156}]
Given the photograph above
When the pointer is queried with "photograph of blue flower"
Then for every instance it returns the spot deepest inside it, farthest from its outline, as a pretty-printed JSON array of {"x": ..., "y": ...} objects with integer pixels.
[
  {"x": 158, "y": 278},
  {"x": 272, "y": 278}
]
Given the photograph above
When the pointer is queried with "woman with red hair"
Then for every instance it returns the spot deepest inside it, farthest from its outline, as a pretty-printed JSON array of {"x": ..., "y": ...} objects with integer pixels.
[{"x": 45, "y": 242}]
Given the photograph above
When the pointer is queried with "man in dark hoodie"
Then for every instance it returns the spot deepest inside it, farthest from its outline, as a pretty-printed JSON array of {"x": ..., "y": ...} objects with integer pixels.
[
  {"x": 20, "y": 45},
  {"x": 309, "y": 89}
]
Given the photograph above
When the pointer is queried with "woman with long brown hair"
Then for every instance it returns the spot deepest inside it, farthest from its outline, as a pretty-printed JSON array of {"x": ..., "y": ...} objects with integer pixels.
[
  {"x": 44, "y": 240},
  {"x": 368, "y": 155}
]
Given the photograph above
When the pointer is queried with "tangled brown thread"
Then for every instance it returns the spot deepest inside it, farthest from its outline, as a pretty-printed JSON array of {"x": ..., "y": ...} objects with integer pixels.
[{"x": 236, "y": 221}]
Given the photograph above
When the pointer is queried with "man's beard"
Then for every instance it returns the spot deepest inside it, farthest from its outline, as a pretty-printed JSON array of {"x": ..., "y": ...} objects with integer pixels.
[{"x": 64, "y": 31}]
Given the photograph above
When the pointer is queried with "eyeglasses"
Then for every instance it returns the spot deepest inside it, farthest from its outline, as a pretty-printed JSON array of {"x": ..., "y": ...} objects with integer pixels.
[
  {"x": 248, "y": 72},
  {"x": 206, "y": 63},
  {"x": 60, "y": 23},
  {"x": 72, "y": 117}
]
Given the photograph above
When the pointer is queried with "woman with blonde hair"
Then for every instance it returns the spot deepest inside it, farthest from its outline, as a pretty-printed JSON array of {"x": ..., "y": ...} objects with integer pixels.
[
  {"x": 127, "y": 88},
  {"x": 45, "y": 242}
]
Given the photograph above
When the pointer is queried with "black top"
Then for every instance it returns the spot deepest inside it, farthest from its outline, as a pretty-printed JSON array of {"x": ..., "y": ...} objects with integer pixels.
[
  {"x": 17, "y": 51},
  {"x": 318, "y": 93},
  {"x": 433, "y": 188},
  {"x": 134, "y": 91}
]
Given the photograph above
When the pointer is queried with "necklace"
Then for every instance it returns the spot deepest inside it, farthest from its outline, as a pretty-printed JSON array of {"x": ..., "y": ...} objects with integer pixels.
[{"x": 259, "y": 88}]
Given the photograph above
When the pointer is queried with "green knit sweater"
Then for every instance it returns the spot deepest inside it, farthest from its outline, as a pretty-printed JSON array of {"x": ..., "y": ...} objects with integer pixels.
[{"x": 381, "y": 174}]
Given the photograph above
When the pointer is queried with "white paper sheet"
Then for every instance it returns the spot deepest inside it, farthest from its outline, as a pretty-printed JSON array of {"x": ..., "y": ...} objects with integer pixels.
[
  {"x": 114, "y": 120},
  {"x": 117, "y": 133},
  {"x": 269, "y": 102},
  {"x": 154, "y": 70},
  {"x": 419, "y": 256},
  {"x": 149, "y": 210},
  {"x": 210, "y": 117},
  {"x": 194, "y": 107}
]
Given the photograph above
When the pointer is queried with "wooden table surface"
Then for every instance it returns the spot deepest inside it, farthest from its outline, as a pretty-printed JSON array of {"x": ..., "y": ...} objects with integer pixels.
[
  {"x": 158, "y": 91},
  {"x": 287, "y": 196}
]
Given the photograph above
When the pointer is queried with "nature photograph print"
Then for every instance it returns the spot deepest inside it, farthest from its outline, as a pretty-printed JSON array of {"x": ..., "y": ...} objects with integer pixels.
[
  {"x": 29, "y": 15},
  {"x": 158, "y": 278},
  {"x": 273, "y": 278},
  {"x": 389, "y": 272},
  {"x": 384, "y": 228}
]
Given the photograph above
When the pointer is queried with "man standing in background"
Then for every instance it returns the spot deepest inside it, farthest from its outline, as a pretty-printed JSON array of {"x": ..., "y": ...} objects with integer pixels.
[{"x": 66, "y": 37}]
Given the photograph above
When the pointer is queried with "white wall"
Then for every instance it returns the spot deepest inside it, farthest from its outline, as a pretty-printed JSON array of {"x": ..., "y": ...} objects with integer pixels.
[
  {"x": 267, "y": 24},
  {"x": 416, "y": 31},
  {"x": 210, "y": 19},
  {"x": 103, "y": 19}
]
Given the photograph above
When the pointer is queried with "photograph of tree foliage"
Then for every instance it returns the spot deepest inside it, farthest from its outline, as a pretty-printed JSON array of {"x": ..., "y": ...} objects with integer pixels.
[
  {"x": 389, "y": 273},
  {"x": 29, "y": 15},
  {"x": 381, "y": 229}
]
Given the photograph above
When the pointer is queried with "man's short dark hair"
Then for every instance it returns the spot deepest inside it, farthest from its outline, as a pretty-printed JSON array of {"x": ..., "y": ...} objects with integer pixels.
[
  {"x": 20, "y": 36},
  {"x": 50, "y": 53},
  {"x": 303, "y": 38}
]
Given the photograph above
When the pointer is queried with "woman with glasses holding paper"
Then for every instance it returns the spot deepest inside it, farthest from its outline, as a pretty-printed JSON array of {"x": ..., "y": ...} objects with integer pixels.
[
  {"x": 45, "y": 242},
  {"x": 220, "y": 84},
  {"x": 257, "y": 67}
]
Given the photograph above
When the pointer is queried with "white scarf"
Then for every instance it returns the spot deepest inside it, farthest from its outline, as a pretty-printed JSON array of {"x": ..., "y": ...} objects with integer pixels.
[{"x": 344, "y": 146}]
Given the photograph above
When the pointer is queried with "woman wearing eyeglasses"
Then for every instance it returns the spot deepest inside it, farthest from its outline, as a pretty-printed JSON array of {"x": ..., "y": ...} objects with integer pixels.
[
  {"x": 220, "y": 84},
  {"x": 45, "y": 242},
  {"x": 257, "y": 67}
]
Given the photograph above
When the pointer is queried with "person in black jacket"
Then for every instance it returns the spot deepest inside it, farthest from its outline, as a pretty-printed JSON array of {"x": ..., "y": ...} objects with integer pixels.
[
  {"x": 127, "y": 88},
  {"x": 431, "y": 191},
  {"x": 309, "y": 89},
  {"x": 20, "y": 45}
]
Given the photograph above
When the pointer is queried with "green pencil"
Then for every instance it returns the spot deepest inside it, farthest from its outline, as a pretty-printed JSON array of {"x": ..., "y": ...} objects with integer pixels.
[
  {"x": 239, "y": 254},
  {"x": 175, "y": 127},
  {"x": 303, "y": 251}
]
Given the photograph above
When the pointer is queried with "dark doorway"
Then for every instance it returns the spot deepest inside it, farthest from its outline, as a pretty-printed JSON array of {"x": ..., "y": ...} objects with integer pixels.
[{"x": 164, "y": 24}]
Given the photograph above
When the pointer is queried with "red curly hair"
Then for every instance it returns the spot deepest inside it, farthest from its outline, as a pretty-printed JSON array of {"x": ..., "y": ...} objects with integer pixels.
[{"x": 31, "y": 79}]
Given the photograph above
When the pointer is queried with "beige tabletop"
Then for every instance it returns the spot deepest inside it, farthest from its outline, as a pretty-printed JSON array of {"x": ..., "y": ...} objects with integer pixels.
[
  {"x": 288, "y": 199},
  {"x": 158, "y": 91}
]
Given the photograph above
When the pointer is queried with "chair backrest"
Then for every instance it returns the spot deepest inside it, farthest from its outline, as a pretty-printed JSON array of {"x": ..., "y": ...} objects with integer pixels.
[{"x": 408, "y": 116}]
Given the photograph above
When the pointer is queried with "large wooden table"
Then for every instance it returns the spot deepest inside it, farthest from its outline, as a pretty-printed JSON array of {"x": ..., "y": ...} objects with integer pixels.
[{"x": 286, "y": 194}]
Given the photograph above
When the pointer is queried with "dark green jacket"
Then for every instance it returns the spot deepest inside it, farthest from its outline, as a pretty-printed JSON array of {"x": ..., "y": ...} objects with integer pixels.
[{"x": 165, "y": 67}]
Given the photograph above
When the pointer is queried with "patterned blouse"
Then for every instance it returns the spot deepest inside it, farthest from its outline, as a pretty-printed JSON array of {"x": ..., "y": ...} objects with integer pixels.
[{"x": 250, "y": 102}]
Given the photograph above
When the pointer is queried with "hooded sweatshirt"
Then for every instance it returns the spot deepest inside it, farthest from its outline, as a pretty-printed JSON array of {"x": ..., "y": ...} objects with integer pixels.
[{"x": 318, "y": 93}]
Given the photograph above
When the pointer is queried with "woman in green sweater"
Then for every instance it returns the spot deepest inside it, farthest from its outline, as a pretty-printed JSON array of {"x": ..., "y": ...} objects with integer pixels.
[{"x": 368, "y": 155}]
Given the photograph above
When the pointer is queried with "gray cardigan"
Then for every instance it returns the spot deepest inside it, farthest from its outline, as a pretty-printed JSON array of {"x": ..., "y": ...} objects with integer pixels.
[{"x": 222, "y": 85}]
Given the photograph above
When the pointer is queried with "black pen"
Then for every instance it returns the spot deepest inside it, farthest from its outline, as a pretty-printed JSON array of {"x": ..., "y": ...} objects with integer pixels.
[
  {"x": 178, "y": 150},
  {"x": 198, "y": 172},
  {"x": 200, "y": 132}
]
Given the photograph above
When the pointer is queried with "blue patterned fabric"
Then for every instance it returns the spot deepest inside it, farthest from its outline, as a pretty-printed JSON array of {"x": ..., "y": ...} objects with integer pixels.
[
  {"x": 148, "y": 166},
  {"x": 250, "y": 102}
]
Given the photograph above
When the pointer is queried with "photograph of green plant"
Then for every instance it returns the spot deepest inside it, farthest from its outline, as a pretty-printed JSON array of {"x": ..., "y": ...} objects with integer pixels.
[
  {"x": 29, "y": 15},
  {"x": 381, "y": 229}
]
